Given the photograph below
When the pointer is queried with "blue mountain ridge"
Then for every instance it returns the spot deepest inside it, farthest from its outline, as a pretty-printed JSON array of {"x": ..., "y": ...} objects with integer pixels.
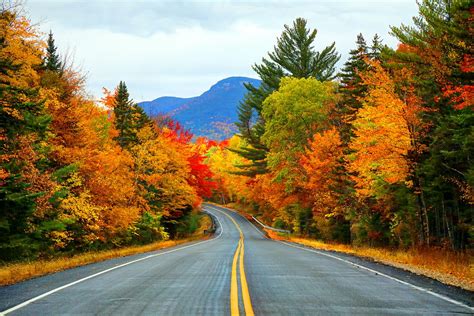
[{"x": 212, "y": 114}]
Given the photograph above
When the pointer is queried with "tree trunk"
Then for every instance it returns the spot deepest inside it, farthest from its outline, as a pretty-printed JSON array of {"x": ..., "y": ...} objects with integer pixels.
[
  {"x": 448, "y": 228},
  {"x": 426, "y": 219}
]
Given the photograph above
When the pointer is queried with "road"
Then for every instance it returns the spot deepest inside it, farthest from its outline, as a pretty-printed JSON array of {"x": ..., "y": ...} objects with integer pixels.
[{"x": 238, "y": 271}]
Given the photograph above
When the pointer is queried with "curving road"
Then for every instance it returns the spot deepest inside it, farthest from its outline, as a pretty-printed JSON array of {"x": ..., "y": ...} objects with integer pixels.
[{"x": 238, "y": 271}]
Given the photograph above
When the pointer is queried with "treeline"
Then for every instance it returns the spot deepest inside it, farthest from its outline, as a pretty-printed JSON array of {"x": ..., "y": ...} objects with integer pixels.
[
  {"x": 77, "y": 175},
  {"x": 378, "y": 154}
]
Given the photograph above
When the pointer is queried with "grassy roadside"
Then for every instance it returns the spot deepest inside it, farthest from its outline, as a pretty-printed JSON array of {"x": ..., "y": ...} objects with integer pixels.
[
  {"x": 445, "y": 266},
  {"x": 16, "y": 272}
]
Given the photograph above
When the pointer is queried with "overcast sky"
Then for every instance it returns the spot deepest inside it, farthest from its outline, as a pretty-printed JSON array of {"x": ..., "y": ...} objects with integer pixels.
[{"x": 181, "y": 48}]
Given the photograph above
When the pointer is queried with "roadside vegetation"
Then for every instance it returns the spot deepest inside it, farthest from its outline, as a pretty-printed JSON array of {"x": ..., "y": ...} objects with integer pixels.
[
  {"x": 20, "y": 271},
  {"x": 447, "y": 266},
  {"x": 77, "y": 175},
  {"x": 376, "y": 159},
  {"x": 376, "y": 156}
]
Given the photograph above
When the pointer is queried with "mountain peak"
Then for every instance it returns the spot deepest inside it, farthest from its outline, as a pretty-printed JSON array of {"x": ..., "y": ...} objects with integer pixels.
[
  {"x": 236, "y": 80},
  {"x": 233, "y": 82},
  {"x": 212, "y": 114}
]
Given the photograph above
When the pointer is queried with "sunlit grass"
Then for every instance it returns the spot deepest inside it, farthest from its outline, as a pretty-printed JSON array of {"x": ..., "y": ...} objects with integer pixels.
[{"x": 16, "y": 272}]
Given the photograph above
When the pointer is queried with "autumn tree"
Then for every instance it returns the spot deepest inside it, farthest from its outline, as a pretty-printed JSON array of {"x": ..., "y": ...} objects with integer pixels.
[
  {"x": 379, "y": 122},
  {"x": 438, "y": 51},
  {"x": 293, "y": 114},
  {"x": 294, "y": 55},
  {"x": 326, "y": 184},
  {"x": 229, "y": 185},
  {"x": 73, "y": 175},
  {"x": 386, "y": 146},
  {"x": 23, "y": 128},
  {"x": 162, "y": 169}
]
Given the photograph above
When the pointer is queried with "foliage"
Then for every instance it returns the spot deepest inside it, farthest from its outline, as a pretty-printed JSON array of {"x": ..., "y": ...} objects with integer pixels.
[
  {"x": 23, "y": 129},
  {"x": 129, "y": 117},
  {"x": 75, "y": 175},
  {"x": 52, "y": 60},
  {"x": 384, "y": 158},
  {"x": 381, "y": 158},
  {"x": 294, "y": 55},
  {"x": 377, "y": 159},
  {"x": 293, "y": 113}
]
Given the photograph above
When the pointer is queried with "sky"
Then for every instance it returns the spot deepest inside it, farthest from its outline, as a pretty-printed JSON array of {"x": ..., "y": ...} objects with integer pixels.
[{"x": 181, "y": 48}]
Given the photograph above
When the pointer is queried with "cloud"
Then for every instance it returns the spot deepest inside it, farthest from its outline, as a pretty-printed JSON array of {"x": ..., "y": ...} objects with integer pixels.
[{"x": 183, "y": 47}]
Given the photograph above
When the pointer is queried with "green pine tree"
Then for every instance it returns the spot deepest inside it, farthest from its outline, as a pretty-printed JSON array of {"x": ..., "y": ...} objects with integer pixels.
[
  {"x": 129, "y": 117},
  {"x": 351, "y": 85},
  {"x": 52, "y": 60},
  {"x": 441, "y": 43},
  {"x": 294, "y": 55},
  {"x": 22, "y": 120},
  {"x": 376, "y": 48}
]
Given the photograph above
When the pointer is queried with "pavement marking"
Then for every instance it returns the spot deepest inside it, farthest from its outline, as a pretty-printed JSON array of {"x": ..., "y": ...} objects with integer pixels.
[
  {"x": 234, "y": 299},
  {"x": 34, "y": 299},
  {"x": 234, "y": 289},
  {"x": 251, "y": 224},
  {"x": 243, "y": 282},
  {"x": 445, "y": 298}
]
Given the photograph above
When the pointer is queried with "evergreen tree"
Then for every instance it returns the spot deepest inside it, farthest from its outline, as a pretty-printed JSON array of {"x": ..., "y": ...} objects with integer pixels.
[
  {"x": 23, "y": 124},
  {"x": 448, "y": 178},
  {"x": 351, "y": 87},
  {"x": 351, "y": 83},
  {"x": 352, "y": 90},
  {"x": 376, "y": 48},
  {"x": 293, "y": 55},
  {"x": 438, "y": 50},
  {"x": 52, "y": 61},
  {"x": 129, "y": 117}
]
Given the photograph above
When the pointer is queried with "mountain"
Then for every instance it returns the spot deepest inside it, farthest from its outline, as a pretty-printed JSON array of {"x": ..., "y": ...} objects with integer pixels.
[{"x": 212, "y": 114}]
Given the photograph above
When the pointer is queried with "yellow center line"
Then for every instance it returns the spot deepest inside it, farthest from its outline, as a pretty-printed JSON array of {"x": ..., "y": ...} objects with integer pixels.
[
  {"x": 234, "y": 297},
  {"x": 234, "y": 292},
  {"x": 243, "y": 283}
]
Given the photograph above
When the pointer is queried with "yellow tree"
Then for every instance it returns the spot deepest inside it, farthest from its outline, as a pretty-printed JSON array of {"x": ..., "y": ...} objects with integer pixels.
[
  {"x": 382, "y": 136},
  {"x": 222, "y": 162},
  {"x": 162, "y": 169}
]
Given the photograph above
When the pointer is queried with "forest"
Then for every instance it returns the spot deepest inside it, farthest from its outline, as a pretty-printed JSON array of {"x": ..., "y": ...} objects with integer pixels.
[
  {"x": 379, "y": 153},
  {"x": 376, "y": 153}
]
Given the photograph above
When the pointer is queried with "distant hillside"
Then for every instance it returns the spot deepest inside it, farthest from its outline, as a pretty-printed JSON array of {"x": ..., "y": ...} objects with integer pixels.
[{"x": 211, "y": 114}]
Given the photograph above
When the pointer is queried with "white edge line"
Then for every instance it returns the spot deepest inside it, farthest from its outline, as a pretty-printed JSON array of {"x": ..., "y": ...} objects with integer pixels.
[
  {"x": 382, "y": 274},
  {"x": 250, "y": 223},
  {"x": 445, "y": 298},
  {"x": 34, "y": 299},
  {"x": 271, "y": 228}
]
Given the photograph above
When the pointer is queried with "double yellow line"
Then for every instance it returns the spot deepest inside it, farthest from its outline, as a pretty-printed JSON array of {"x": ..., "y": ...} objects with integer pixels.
[{"x": 234, "y": 291}]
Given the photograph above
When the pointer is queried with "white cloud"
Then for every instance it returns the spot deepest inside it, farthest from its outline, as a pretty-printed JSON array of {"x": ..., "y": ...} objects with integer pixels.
[{"x": 182, "y": 48}]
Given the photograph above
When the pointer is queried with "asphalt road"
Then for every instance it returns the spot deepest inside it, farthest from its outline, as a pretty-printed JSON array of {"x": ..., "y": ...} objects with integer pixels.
[{"x": 239, "y": 270}]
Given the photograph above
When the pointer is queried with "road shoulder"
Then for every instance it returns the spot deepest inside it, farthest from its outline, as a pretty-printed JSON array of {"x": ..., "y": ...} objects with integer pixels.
[{"x": 460, "y": 294}]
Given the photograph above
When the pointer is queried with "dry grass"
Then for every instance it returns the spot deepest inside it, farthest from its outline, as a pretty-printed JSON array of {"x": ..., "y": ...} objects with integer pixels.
[
  {"x": 446, "y": 266},
  {"x": 204, "y": 224},
  {"x": 16, "y": 272}
]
